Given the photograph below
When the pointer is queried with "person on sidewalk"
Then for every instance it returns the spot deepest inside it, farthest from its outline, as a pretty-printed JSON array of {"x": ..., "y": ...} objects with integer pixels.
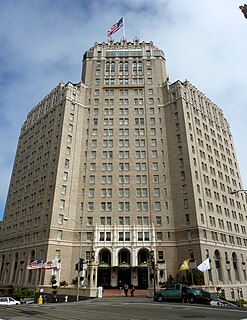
[
  {"x": 126, "y": 289},
  {"x": 120, "y": 286},
  {"x": 132, "y": 290}
]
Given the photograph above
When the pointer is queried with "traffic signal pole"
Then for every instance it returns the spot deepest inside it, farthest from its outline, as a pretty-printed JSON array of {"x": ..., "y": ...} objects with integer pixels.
[{"x": 79, "y": 265}]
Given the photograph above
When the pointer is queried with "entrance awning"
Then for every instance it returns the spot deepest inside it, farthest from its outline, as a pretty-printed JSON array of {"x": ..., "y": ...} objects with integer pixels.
[
  {"x": 103, "y": 265},
  {"x": 124, "y": 265},
  {"x": 143, "y": 265}
]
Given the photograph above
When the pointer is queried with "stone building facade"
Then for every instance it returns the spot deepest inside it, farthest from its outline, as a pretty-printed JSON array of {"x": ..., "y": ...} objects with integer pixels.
[{"x": 139, "y": 164}]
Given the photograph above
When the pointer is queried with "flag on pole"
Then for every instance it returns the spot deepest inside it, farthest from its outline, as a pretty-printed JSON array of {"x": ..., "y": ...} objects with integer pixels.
[
  {"x": 185, "y": 265},
  {"x": 115, "y": 27},
  {"x": 51, "y": 265},
  {"x": 36, "y": 264},
  {"x": 204, "y": 266}
]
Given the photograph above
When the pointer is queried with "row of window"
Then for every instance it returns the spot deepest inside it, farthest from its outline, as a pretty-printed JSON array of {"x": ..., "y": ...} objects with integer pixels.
[
  {"x": 111, "y": 111},
  {"x": 122, "y": 206},
  {"x": 125, "y": 132},
  {"x": 124, "y": 92},
  {"x": 121, "y": 101},
  {"x": 122, "y": 121},
  {"x": 121, "y": 155}
]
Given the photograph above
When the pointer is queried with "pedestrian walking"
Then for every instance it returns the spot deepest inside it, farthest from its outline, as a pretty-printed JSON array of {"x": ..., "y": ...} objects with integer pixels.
[{"x": 126, "y": 289}]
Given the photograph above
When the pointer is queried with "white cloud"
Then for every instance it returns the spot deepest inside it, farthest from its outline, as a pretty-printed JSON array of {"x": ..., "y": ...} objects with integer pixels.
[{"x": 42, "y": 43}]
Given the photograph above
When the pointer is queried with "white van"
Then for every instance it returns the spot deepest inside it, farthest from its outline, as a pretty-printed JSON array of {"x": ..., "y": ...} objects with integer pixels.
[{"x": 8, "y": 301}]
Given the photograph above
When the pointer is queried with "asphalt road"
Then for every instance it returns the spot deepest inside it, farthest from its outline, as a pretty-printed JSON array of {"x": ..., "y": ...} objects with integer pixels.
[{"x": 120, "y": 309}]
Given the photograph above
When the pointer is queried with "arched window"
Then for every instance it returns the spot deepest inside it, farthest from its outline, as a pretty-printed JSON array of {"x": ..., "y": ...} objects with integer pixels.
[
  {"x": 235, "y": 265},
  {"x": 218, "y": 270}
]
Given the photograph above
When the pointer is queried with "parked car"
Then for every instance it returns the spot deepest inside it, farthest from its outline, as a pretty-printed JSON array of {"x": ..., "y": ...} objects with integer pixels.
[
  {"x": 181, "y": 292},
  {"x": 8, "y": 301},
  {"x": 27, "y": 301},
  {"x": 219, "y": 303}
]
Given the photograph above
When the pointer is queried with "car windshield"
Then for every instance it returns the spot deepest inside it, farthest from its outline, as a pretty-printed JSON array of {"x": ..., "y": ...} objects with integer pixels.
[{"x": 11, "y": 299}]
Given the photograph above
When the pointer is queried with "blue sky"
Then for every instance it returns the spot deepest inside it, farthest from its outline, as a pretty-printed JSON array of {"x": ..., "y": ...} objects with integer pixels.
[{"x": 42, "y": 43}]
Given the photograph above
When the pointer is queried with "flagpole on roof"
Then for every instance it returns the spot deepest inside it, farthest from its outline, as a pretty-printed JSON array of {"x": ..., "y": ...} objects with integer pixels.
[{"x": 123, "y": 28}]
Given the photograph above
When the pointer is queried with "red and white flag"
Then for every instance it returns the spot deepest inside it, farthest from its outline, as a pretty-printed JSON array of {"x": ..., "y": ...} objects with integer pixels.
[
  {"x": 49, "y": 265},
  {"x": 115, "y": 27}
]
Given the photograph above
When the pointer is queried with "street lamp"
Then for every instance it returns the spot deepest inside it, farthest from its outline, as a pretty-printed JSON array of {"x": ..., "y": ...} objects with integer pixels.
[
  {"x": 80, "y": 257},
  {"x": 236, "y": 191},
  {"x": 152, "y": 260}
]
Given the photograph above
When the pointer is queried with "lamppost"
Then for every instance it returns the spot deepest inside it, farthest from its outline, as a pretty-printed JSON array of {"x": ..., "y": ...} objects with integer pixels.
[
  {"x": 152, "y": 260},
  {"x": 236, "y": 191},
  {"x": 79, "y": 265}
]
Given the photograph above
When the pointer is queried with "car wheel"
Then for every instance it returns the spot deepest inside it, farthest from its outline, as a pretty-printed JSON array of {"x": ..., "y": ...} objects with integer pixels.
[
  {"x": 191, "y": 299},
  {"x": 159, "y": 298}
]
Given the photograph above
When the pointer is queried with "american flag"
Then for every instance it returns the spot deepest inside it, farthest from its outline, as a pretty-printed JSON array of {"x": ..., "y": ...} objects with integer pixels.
[
  {"x": 115, "y": 27},
  {"x": 36, "y": 264}
]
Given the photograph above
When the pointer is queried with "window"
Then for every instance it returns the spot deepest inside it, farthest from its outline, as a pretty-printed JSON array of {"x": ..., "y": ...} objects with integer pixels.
[
  {"x": 106, "y": 193},
  {"x": 93, "y": 154},
  {"x": 153, "y": 131},
  {"x": 124, "y": 179},
  {"x": 92, "y": 179},
  {"x": 68, "y": 151},
  {"x": 108, "y": 132},
  {"x": 63, "y": 189},
  {"x": 123, "y": 154},
  {"x": 107, "y": 154},
  {"x": 141, "y": 179},
  {"x": 156, "y": 179},
  {"x": 155, "y": 155},
  {"x": 65, "y": 176},
  {"x": 158, "y": 221},
  {"x": 124, "y": 206},
  {"x": 62, "y": 204},
  {"x": 123, "y": 143},
  {"x": 123, "y": 132},
  {"x": 156, "y": 192},
  {"x": 140, "y": 143},
  {"x": 157, "y": 206},
  {"x": 60, "y": 219},
  {"x": 91, "y": 193},
  {"x": 141, "y": 166},
  {"x": 90, "y": 206},
  {"x": 140, "y": 154},
  {"x": 89, "y": 221},
  {"x": 124, "y": 192},
  {"x": 106, "y": 206},
  {"x": 59, "y": 235},
  {"x": 123, "y": 166},
  {"x": 107, "y": 166},
  {"x": 159, "y": 236},
  {"x": 106, "y": 179},
  {"x": 94, "y": 132},
  {"x": 89, "y": 236},
  {"x": 142, "y": 206}
]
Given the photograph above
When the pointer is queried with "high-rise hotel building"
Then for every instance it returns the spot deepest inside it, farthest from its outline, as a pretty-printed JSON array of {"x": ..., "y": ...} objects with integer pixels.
[{"x": 140, "y": 164}]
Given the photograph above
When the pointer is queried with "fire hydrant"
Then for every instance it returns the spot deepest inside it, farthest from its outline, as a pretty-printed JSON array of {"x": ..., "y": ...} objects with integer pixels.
[{"x": 40, "y": 299}]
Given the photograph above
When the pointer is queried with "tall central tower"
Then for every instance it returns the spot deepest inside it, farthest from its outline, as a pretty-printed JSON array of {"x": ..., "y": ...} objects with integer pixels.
[{"x": 125, "y": 176}]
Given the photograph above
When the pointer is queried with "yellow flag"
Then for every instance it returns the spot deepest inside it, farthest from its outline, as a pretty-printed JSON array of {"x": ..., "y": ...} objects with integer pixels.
[{"x": 185, "y": 265}]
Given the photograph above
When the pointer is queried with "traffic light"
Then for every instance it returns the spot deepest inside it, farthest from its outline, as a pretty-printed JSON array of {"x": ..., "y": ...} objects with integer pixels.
[
  {"x": 76, "y": 266},
  {"x": 81, "y": 262}
]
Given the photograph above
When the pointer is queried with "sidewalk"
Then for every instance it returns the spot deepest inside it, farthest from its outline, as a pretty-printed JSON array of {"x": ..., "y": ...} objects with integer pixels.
[{"x": 117, "y": 293}]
